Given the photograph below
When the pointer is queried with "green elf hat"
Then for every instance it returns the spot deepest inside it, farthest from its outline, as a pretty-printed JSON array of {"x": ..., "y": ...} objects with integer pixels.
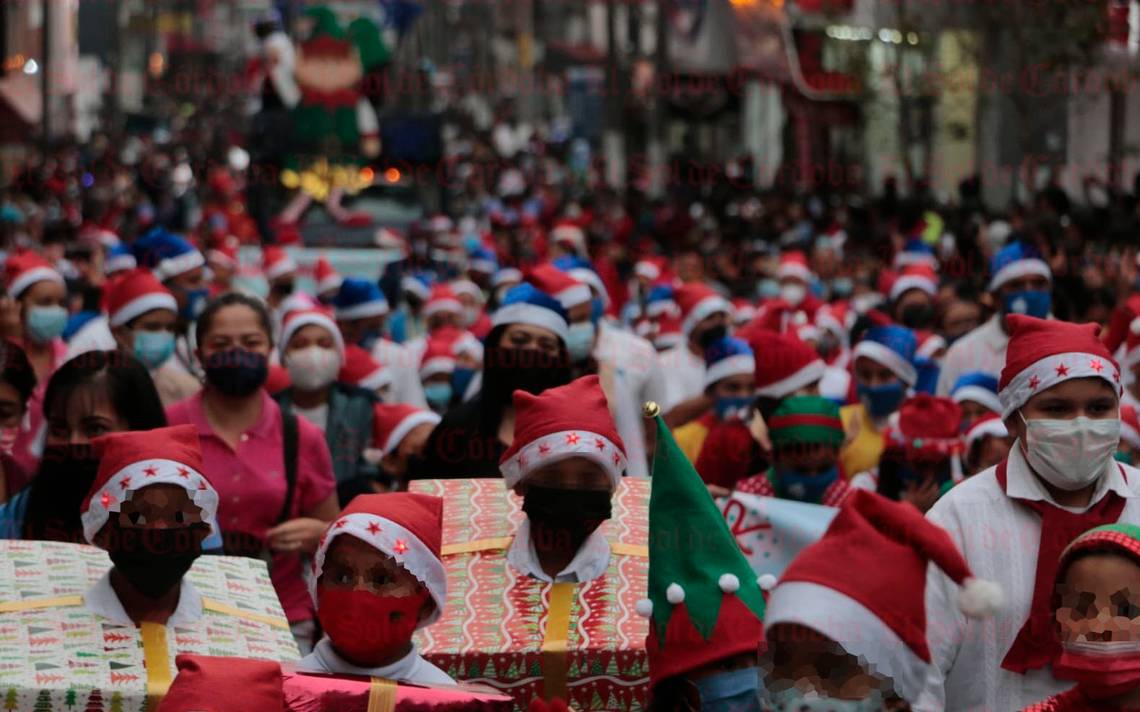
[
  {"x": 1122, "y": 539},
  {"x": 806, "y": 420},
  {"x": 327, "y": 37},
  {"x": 704, "y": 603}
]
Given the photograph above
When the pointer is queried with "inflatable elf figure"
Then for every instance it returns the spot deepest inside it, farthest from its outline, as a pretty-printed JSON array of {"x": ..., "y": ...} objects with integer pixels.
[{"x": 334, "y": 124}]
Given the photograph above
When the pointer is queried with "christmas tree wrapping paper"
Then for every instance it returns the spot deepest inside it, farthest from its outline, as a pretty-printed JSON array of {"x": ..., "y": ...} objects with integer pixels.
[
  {"x": 57, "y": 655},
  {"x": 308, "y": 692},
  {"x": 530, "y": 639}
]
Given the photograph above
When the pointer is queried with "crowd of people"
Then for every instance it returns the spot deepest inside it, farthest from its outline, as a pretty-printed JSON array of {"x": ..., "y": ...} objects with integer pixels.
[{"x": 962, "y": 386}]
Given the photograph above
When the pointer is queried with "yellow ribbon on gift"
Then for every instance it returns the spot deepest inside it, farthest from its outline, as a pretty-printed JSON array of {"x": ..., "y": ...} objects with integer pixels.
[
  {"x": 554, "y": 642},
  {"x": 156, "y": 653},
  {"x": 382, "y": 695}
]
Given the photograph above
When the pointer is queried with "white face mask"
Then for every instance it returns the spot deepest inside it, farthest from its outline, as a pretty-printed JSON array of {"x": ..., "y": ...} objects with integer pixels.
[
  {"x": 794, "y": 700},
  {"x": 1070, "y": 454},
  {"x": 313, "y": 368},
  {"x": 793, "y": 293}
]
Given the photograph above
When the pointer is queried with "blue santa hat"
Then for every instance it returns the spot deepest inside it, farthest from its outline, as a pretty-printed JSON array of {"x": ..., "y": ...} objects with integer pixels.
[
  {"x": 583, "y": 270},
  {"x": 1015, "y": 261},
  {"x": 892, "y": 346},
  {"x": 418, "y": 284},
  {"x": 728, "y": 356},
  {"x": 359, "y": 299},
  {"x": 525, "y": 304},
  {"x": 482, "y": 260},
  {"x": 119, "y": 259},
  {"x": 977, "y": 386},
  {"x": 916, "y": 252},
  {"x": 167, "y": 255},
  {"x": 660, "y": 300}
]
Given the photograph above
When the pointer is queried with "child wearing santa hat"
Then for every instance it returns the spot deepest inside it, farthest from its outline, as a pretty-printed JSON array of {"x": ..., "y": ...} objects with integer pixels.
[
  {"x": 377, "y": 579},
  {"x": 1059, "y": 392},
  {"x": 705, "y": 317},
  {"x": 987, "y": 443},
  {"x": 565, "y": 462},
  {"x": 729, "y": 384},
  {"x": 400, "y": 434},
  {"x": 839, "y": 638},
  {"x": 150, "y": 507},
  {"x": 1096, "y": 597}
]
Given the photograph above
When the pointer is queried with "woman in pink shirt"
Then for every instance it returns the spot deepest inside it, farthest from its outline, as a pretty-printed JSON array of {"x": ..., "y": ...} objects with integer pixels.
[{"x": 243, "y": 436}]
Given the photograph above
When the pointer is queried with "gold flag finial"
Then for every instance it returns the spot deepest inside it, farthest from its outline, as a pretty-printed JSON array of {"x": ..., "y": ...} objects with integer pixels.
[{"x": 650, "y": 409}]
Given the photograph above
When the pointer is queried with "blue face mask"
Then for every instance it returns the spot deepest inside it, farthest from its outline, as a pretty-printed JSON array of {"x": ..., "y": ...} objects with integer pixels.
[
  {"x": 883, "y": 400},
  {"x": 1031, "y": 303},
  {"x": 580, "y": 341},
  {"x": 805, "y": 488},
  {"x": 46, "y": 323},
  {"x": 842, "y": 287},
  {"x": 738, "y": 407},
  {"x": 438, "y": 395},
  {"x": 195, "y": 303},
  {"x": 731, "y": 691},
  {"x": 153, "y": 348},
  {"x": 461, "y": 380}
]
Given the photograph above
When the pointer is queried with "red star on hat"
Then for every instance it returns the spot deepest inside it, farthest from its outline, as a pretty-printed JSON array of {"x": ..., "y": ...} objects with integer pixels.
[
  {"x": 107, "y": 500},
  {"x": 522, "y": 460},
  {"x": 183, "y": 472},
  {"x": 543, "y": 449},
  {"x": 600, "y": 444},
  {"x": 201, "y": 484},
  {"x": 341, "y": 524},
  {"x": 1034, "y": 381},
  {"x": 150, "y": 471},
  {"x": 401, "y": 546},
  {"x": 617, "y": 459},
  {"x": 1062, "y": 369},
  {"x": 1096, "y": 365},
  {"x": 125, "y": 483},
  {"x": 373, "y": 528},
  {"x": 572, "y": 439}
]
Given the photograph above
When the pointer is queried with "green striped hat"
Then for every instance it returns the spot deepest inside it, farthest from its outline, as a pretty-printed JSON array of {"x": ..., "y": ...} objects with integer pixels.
[
  {"x": 806, "y": 420},
  {"x": 1123, "y": 539}
]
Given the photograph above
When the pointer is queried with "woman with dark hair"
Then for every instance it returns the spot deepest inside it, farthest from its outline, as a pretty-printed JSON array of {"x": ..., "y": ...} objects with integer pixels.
[
  {"x": 93, "y": 394},
  {"x": 17, "y": 382},
  {"x": 272, "y": 470},
  {"x": 526, "y": 350}
]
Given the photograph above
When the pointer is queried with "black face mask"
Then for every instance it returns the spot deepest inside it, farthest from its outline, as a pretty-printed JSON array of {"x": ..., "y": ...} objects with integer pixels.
[
  {"x": 529, "y": 370},
  {"x": 917, "y": 316},
  {"x": 711, "y": 335},
  {"x": 154, "y": 560},
  {"x": 284, "y": 289},
  {"x": 563, "y": 518},
  {"x": 237, "y": 372},
  {"x": 55, "y": 496}
]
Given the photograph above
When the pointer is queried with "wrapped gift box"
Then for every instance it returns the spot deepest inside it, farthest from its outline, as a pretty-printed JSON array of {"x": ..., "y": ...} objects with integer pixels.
[
  {"x": 772, "y": 531},
  {"x": 57, "y": 655},
  {"x": 584, "y": 643},
  {"x": 327, "y": 693}
]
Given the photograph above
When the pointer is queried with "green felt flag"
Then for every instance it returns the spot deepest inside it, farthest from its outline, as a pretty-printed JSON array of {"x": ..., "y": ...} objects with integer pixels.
[{"x": 690, "y": 543}]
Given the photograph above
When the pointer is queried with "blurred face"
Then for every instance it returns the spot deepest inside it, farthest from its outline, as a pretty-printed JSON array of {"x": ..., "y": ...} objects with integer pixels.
[
  {"x": 534, "y": 338},
  {"x": 328, "y": 73},
  {"x": 155, "y": 320},
  {"x": 1028, "y": 283},
  {"x": 310, "y": 335},
  {"x": 579, "y": 313},
  {"x": 86, "y": 415},
  {"x": 573, "y": 473},
  {"x": 1100, "y": 600},
  {"x": 355, "y": 330},
  {"x": 988, "y": 452},
  {"x": 11, "y": 407},
  {"x": 186, "y": 282},
  {"x": 235, "y": 326},
  {"x": 800, "y": 658},
  {"x": 1090, "y": 397},
  {"x": 740, "y": 386},
  {"x": 872, "y": 373},
  {"x": 806, "y": 458},
  {"x": 971, "y": 411},
  {"x": 44, "y": 294},
  {"x": 161, "y": 506},
  {"x": 442, "y": 319},
  {"x": 352, "y": 565},
  {"x": 712, "y": 323}
]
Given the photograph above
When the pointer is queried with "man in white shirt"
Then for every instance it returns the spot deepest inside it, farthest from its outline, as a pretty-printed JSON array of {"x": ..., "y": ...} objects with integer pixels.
[
  {"x": 1059, "y": 392},
  {"x": 1020, "y": 284}
]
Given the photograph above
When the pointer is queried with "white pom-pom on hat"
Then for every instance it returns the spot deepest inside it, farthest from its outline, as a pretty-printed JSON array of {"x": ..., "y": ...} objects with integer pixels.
[
  {"x": 729, "y": 583},
  {"x": 766, "y": 582},
  {"x": 980, "y": 599},
  {"x": 644, "y": 608},
  {"x": 1135, "y": 325},
  {"x": 675, "y": 594}
]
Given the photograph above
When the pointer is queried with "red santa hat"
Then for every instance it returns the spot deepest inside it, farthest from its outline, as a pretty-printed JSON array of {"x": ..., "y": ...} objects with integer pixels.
[
  {"x": 276, "y": 262},
  {"x": 130, "y": 461},
  {"x": 567, "y": 290},
  {"x": 405, "y": 526},
  {"x": 389, "y": 239},
  {"x": 743, "y": 310},
  {"x": 987, "y": 426},
  {"x": 879, "y": 619},
  {"x": 668, "y": 331},
  {"x": 927, "y": 429},
  {"x": 1129, "y": 426},
  {"x": 569, "y": 421},
  {"x": 651, "y": 268},
  {"x": 360, "y": 369},
  {"x": 466, "y": 287},
  {"x": 916, "y": 276},
  {"x": 392, "y": 423},
  {"x": 25, "y": 268},
  {"x": 211, "y": 684},
  {"x": 134, "y": 294},
  {"x": 929, "y": 344},
  {"x": 439, "y": 352},
  {"x": 698, "y": 301},
  {"x": 784, "y": 364},
  {"x": 568, "y": 234},
  {"x": 836, "y": 318},
  {"x": 1042, "y": 353},
  {"x": 224, "y": 253},
  {"x": 442, "y": 300},
  {"x": 314, "y": 316},
  {"x": 794, "y": 265},
  {"x": 327, "y": 278}
]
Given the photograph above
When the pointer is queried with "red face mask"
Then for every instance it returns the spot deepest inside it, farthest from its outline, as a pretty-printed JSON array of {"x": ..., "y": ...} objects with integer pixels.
[
  {"x": 1101, "y": 669},
  {"x": 368, "y": 629}
]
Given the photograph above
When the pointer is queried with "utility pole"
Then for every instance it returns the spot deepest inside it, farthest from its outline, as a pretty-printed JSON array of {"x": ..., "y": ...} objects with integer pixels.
[
  {"x": 613, "y": 137},
  {"x": 46, "y": 68},
  {"x": 657, "y": 155}
]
